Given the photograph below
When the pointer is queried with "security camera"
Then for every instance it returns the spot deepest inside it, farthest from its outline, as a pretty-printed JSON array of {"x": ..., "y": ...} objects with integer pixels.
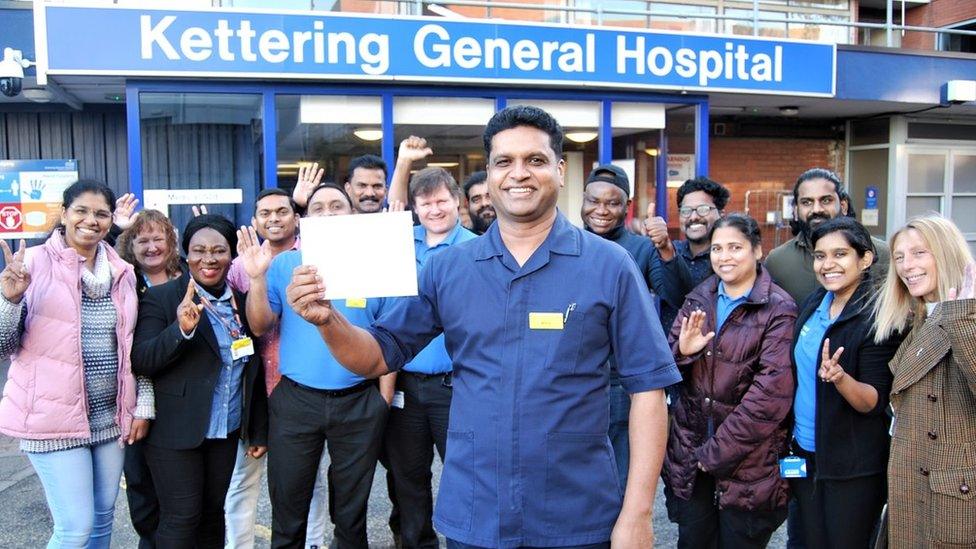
[{"x": 12, "y": 72}]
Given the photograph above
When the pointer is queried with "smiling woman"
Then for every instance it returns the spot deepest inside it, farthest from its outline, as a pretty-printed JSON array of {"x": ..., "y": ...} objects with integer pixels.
[{"x": 73, "y": 287}]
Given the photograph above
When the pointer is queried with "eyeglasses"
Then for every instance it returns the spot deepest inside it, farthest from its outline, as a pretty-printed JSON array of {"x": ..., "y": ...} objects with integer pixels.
[{"x": 702, "y": 210}]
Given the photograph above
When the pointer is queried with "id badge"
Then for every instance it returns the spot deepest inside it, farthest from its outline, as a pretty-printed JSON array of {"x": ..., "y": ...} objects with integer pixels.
[
  {"x": 398, "y": 400},
  {"x": 793, "y": 467},
  {"x": 241, "y": 348}
]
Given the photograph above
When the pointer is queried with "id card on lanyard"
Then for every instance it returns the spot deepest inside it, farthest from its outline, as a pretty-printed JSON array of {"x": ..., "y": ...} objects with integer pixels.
[{"x": 241, "y": 344}]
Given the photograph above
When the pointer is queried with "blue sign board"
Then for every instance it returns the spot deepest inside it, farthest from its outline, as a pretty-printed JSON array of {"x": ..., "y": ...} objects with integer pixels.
[
  {"x": 31, "y": 193},
  {"x": 871, "y": 198},
  {"x": 315, "y": 45}
]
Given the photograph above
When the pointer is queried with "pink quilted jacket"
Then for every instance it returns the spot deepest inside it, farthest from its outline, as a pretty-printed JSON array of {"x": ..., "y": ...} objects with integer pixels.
[{"x": 44, "y": 397}]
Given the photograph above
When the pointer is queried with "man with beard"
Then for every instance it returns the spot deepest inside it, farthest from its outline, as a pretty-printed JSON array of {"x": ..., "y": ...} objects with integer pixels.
[
  {"x": 481, "y": 211},
  {"x": 606, "y": 199},
  {"x": 817, "y": 196},
  {"x": 679, "y": 266}
]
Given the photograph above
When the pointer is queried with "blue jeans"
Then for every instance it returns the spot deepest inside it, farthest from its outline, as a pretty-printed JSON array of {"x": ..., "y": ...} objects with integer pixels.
[
  {"x": 81, "y": 485},
  {"x": 620, "y": 430},
  {"x": 451, "y": 544}
]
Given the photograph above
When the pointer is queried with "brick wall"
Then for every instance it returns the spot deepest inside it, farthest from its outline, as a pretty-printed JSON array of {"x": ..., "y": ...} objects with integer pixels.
[
  {"x": 763, "y": 166},
  {"x": 939, "y": 13}
]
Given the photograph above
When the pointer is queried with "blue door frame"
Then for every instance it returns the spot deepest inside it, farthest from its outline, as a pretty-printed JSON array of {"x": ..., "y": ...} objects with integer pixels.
[{"x": 268, "y": 91}]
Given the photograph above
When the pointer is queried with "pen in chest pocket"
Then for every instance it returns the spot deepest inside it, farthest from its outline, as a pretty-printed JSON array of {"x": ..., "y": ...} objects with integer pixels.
[{"x": 569, "y": 309}]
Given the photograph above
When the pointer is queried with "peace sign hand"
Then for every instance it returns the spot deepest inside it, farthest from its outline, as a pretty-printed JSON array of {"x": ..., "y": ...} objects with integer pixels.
[
  {"x": 830, "y": 369},
  {"x": 691, "y": 339},
  {"x": 14, "y": 279},
  {"x": 188, "y": 312}
]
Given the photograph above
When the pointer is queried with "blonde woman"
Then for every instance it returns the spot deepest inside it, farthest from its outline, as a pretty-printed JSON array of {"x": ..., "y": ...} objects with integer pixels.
[{"x": 932, "y": 470}]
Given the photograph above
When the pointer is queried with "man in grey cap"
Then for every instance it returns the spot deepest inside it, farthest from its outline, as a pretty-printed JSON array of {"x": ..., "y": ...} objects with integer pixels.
[{"x": 606, "y": 198}]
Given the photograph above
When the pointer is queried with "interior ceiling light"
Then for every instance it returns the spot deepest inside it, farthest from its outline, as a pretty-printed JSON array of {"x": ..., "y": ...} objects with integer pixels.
[
  {"x": 789, "y": 111},
  {"x": 368, "y": 134},
  {"x": 581, "y": 137},
  {"x": 652, "y": 152},
  {"x": 443, "y": 164}
]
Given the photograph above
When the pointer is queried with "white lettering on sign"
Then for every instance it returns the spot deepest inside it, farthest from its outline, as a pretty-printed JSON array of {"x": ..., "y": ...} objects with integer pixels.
[
  {"x": 436, "y": 47},
  {"x": 707, "y": 65}
]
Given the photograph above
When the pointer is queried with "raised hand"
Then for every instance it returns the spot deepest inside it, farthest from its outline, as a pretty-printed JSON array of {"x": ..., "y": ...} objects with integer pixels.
[
  {"x": 199, "y": 210},
  {"x": 413, "y": 148},
  {"x": 305, "y": 295},
  {"x": 968, "y": 282},
  {"x": 14, "y": 279},
  {"x": 125, "y": 211},
  {"x": 830, "y": 369},
  {"x": 188, "y": 313},
  {"x": 255, "y": 257},
  {"x": 308, "y": 178},
  {"x": 691, "y": 339}
]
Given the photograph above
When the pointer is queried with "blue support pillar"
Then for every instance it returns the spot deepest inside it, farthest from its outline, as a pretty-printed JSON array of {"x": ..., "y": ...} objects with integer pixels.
[
  {"x": 605, "y": 147},
  {"x": 134, "y": 140},
  {"x": 269, "y": 114}
]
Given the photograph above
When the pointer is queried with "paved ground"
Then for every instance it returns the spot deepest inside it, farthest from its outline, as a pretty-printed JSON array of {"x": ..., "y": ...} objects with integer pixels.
[{"x": 26, "y": 523}]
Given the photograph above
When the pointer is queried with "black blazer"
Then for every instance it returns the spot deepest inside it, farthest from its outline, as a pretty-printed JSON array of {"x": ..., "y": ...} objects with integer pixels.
[
  {"x": 851, "y": 444},
  {"x": 184, "y": 372}
]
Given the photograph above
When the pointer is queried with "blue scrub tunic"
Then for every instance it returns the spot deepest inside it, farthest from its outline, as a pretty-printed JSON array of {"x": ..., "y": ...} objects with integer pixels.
[{"x": 528, "y": 460}]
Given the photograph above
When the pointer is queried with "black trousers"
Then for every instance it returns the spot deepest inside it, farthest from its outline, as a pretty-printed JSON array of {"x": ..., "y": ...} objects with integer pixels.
[
  {"x": 412, "y": 433},
  {"x": 702, "y": 525},
  {"x": 141, "y": 494},
  {"x": 191, "y": 486},
  {"x": 840, "y": 514},
  {"x": 302, "y": 420}
]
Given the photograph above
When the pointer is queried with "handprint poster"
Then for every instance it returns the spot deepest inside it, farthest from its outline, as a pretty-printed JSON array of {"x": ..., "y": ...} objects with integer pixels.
[{"x": 30, "y": 195}]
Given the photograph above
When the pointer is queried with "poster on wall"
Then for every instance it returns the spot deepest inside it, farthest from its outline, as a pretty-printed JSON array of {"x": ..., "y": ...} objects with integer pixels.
[
  {"x": 30, "y": 195},
  {"x": 681, "y": 167}
]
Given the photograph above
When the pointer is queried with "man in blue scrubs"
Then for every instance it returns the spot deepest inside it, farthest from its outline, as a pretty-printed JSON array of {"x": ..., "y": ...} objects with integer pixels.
[{"x": 528, "y": 462}]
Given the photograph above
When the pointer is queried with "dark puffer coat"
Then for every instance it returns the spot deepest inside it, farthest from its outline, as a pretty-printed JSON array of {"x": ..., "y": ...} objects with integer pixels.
[{"x": 740, "y": 388}]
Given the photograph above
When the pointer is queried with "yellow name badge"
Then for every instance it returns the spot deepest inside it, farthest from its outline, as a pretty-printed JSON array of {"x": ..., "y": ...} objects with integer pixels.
[
  {"x": 356, "y": 303},
  {"x": 240, "y": 348},
  {"x": 545, "y": 321}
]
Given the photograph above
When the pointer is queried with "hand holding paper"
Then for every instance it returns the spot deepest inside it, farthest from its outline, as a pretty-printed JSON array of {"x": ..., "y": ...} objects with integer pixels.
[{"x": 362, "y": 256}]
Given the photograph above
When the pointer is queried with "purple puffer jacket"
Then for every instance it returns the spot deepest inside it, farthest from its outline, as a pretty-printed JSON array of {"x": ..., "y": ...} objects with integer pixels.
[{"x": 739, "y": 389}]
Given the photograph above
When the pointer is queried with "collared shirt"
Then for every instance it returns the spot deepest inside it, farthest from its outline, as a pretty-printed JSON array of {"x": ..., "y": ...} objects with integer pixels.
[
  {"x": 530, "y": 462},
  {"x": 727, "y": 304},
  {"x": 806, "y": 354},
  {"x": 434, "y": 358},
  {"x": 225, "y": 409},
  {"x": 303, "y": 356},
  {"x": 268, "y": 343},
  {"x": 673, "y": 280}
]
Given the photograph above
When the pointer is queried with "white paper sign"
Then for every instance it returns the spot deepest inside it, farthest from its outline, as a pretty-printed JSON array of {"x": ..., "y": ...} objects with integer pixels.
[
  {"x": 869, "y": 217},
  {"x": 362, "y": 256}
]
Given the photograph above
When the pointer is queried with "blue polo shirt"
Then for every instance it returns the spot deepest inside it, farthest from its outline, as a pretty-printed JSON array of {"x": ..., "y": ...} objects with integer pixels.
[
  {"x": 726, "y": 304},
  {"x": 303, "y": 355},
  {"x": 434, "y": 358},
  {"x": 806, "y": 354},
  {"x": 530, "y": 463}
]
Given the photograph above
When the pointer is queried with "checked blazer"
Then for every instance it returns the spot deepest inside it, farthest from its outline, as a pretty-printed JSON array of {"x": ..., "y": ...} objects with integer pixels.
[{"x": 932, "y": 469}]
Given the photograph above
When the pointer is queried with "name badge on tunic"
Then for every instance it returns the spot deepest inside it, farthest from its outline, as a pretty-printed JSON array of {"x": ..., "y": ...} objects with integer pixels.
[
  {"x": 356, "y": 303},
  {"x": 545, "y": 321},
  {"x": 240, "y": 348}
]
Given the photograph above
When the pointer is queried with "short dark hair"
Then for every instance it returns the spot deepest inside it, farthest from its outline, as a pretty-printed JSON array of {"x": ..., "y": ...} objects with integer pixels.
[
  {"x": 367, "y": 162},
  {"x": 819, "y": 173},
  {"x": 476, "y": 178},
  {"x": 275, "y": 192},
  {"x": 525, "y": 115},
  {"x": 720, "y": 195},
  {"x": 83, "y": 186},
  {"x": 854, "y": 233},
  {"x": 429, "y": 180},
  {"x": 216, "y": 222},
  {"x": 328, "y": 185},
  {"x": 744, "y": 223}
]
